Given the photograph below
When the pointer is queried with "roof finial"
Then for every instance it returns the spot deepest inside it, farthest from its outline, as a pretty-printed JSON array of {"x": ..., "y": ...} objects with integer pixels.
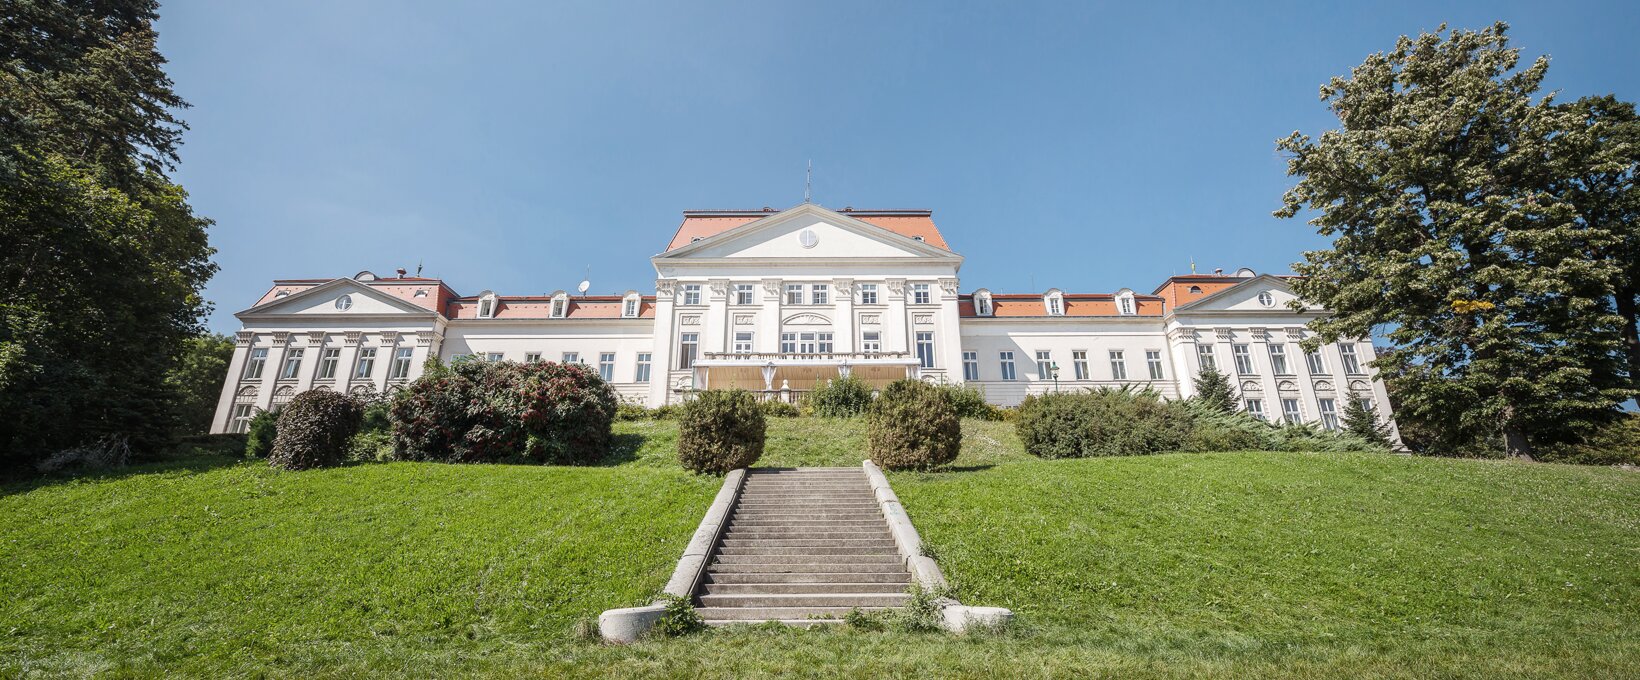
[
  {"x": 808, "y": 184},
  {"x": 1192, "y": 265},
  {"x": 418, "y": 269}
]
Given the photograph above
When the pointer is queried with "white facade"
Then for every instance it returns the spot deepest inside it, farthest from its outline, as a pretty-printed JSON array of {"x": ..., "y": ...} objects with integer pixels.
[{"x": 778, "y": 301}]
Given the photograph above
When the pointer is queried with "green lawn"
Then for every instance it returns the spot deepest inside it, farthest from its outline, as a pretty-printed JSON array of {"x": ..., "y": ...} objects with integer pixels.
[{"x": 1228, "y": 565}]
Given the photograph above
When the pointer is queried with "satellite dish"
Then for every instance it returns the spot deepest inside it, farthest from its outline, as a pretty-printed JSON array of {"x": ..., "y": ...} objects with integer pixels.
[{"x": 582, "y": 289}]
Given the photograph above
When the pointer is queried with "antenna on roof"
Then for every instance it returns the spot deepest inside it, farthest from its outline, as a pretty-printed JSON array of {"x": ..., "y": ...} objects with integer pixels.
[
  {"x": 808, "y": 184},
  {"x": 1192, "y": 264},
  {"x": 418, "y": 269}
]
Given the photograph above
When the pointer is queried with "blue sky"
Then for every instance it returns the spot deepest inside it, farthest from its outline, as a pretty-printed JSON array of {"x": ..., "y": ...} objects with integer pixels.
[{"x": 511, "y": 146}]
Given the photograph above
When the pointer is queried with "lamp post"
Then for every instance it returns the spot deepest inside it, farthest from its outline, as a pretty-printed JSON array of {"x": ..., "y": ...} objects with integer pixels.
[{"x": 1053, "y": 369}]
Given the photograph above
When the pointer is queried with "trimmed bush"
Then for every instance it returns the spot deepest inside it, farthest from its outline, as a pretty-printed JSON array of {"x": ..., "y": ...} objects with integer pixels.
[
  {"x": 264, "y": 427},
  {"x": 843, "y": 397},
  {"x": 719, "y": 431},
  {"x": 912, "y": 426},
  {"x": 314, "y": 429},
  {"x": 969, "y": 402},
  {"x": 474, "y": 411},
  {"x": 1103, "y": 422},
  {"x": 779, "y": 409}
]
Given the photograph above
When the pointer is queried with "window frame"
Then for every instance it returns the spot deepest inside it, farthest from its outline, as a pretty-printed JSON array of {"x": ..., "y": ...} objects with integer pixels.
[
  {"x": 1005, "y": 359},
  {"x": 494, "y": 357},
  {"x": 970, "y": 365},
  {"x": 292, "y": 367},
  {"x": 330, "y": 358},
  {"x": 1278, "y": 359},
  {"x": 365, "y": 364},
  {"x": 1315, "y": 362},
  {"x": 819, "y": 294},
  {"x": 921, "y": 294},
  {"x": 569, "y": 358},
  {"x": 691, "y": 294},
  {"x": 688, "y": 350},
  {"x": 1351, "y": 361},
  {"x": 925, "y": 348},
  {"x": 1255, "y": 408},
  {"x": 1079, "y": 364},
  {"x": 744, "y": 294},
  {"x": 1328, "y": 408},
  {"x": 1241, "y": 354},
  {"x": 606, "y": 366},
  {"x": 1044, "y": 364},
  {"x": 1295, "y": 415},
  {"x": 403, "y": 358},
  {"x": 1153, "y": 362},
  {"x": 742, "y": 343},
  {"x": 1118, "y": 364},
  {"x": 255, "y": 361},
  {"x": 868, "y": 293},
  {"x": 794, "y": 294},
  {"x": 1205, "y": 357},
  {"x": 641, "y": 368},
  {"x": 871, "y": 345}
]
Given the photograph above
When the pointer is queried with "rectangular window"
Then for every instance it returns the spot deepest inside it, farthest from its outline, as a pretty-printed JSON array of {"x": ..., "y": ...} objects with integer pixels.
[
  {"x": 1054, "y": 306},
  {"x": 560, "y": 307},
  {"x": 743, "y": 342},
  {"x": 606, "y": 366},
  {"x": 691, "y": 294},
  {"x": 642, "y": 374},
  {"x": 925, "y": 349},
  {"x": 1007, "y": 361},
  {"x": 825, "y": 343},
  {"x": 1153, "y": 359},
  {"x": 366, "y": 364},
  {"x": 1364, "y": 402},
  {"x": 293, "y": 364},
  {"x": 743, "y": 293},
  {"x": 805, "y": 343},
  {"x": 788, "y": 343},
  {"x": 401, "y": 363},
  {"x": 794, "y": 293},
  {"x": 242, "y": 414},
  {"x": 868, "y": 293},
  {"x": 688, "y": 343},
  {"x": 920, "y": 295},
  {"x": 532, "y": 357},
  {"x": 630, "y": 308},
  {"x": 1316, "y": 365},
  {"x": 1118, "y": 365},
  {"x": 494, "y": 356},
  {"x": 1244, "y": 360},
  {"x": 1044, "y": 365},
  {"x": 327, "y": 363},
  {"x": 1255, "y": 408},
  {"x": 1329, "y": 413},
  {"x": 253, "y": 367},
  {"x": 1079, "y": 363},
  {"x": 571, "y": 358},
  {"x": 871, "y": 342},
  {"x": 1290, "y": 412},
  {"x": 1204, "y": 358},
  {"x": 819, "y": 293},
  {"x": 1126, "y": 305},
  {"x": 970, "y": 365},
  {"x": 1352, "y": 364},
  {"x": 1278, "y": 358}
]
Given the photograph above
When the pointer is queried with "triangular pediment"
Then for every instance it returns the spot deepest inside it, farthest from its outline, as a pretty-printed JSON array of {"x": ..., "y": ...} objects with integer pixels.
[
  {"x": 1246, "y": 297},
  {"x": 807, "y": 232},
  {"x": 362, "y": 300}
]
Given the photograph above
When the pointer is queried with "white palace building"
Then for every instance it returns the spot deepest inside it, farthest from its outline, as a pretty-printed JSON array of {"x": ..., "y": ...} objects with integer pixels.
[{"x": 778, "y": 301}]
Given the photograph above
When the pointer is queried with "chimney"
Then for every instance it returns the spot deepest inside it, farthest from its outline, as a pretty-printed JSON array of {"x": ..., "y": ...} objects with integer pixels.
[
  {"x": 401, "y": 272},
  {"x": 1218, "y": 271}
]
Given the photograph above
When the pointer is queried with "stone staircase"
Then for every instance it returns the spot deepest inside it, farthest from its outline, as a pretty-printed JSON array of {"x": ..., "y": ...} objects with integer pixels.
[{"x": 803, "y": 547}]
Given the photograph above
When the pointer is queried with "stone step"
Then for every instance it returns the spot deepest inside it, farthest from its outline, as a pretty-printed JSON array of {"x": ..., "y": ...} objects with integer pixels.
[
  {"x": 770, "y": 516},
  {"x": 808, "y": 550},
  {"x": 812, "y": 559},
  {"x": 746, "y": 535},
  {"x": 795, "y": 623},
  {"x": 807, "y": 487},
  {"x": 746, "y": 502},
  {"x": 765, "y": 542},
  {"x": 825, "y": 525},
  {"x": 794, "y": 600},
  {"x": 834, "y": 588},
  {"x": 831, "y": 506},
  {"x": 899, "y": 576},
  {"x": 848, "y": 565}
]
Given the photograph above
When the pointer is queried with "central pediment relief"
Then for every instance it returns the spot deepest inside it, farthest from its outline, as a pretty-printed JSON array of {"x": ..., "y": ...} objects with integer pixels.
[{"x": 806, "y": 320}]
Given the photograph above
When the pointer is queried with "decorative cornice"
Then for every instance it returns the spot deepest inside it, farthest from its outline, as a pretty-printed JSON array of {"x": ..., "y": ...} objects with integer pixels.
[
  {"x": 772, "y": 287},
  {"x": 896, "y": 286},
  {"x": 949, "y": 286},
  {"x": 666, "y": 287},
  {"x": 354, "y": 337},
  {"x": 1260, "y": 333},
  {"x": 281, "y": 338},
  {"x": 719, "y": 287},
  {"x": 243, "y": 338},
  {"x": 845, "y": 287},
  {"x": 424, "y": 338},
  {"x": 1224, "y": 334},
  {"x": 316, "y": 338},
  {"x": 390, "y": 338}
]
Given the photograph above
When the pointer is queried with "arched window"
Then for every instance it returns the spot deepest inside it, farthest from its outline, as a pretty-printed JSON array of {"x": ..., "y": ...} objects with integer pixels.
[
  {"x": 1054, "y": 302},
  {"x": 560, "y": 305},
  {"x": 982, "y": 303},
  {"x": 1195, "y": 290},
  {"x": 283, "y": 396}
]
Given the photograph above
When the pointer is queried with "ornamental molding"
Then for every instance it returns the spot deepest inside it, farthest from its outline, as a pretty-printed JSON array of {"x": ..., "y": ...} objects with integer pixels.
[
  {"x": 1359, "y": 386},
  {"x": 689, "y": 320},
  {"x": 1260, "y": 334},
  {"x": 316, "y": 338},
  {"x": 720, "y": 287},
  {"x": 922, "y": 318},
  {"x": 1323, "y": 386},
  {"x": 772, "y": 288},
  {"x": 870, "y": 319},
  {"x": 806, "y": 319},
  {"x": 424, "y": 338},
  {"x": 390, "y": 338},
  {"x": 243, "y": 338},
  {"x": 1251, "y": 386},
  {"x": 1294, "y": 332},
  {"x": 949, "y": 286},
  {"x": 666, "y": 286},
  {"x": 844, "y": 287},
  {"x": 1287, "y": 386},
  {"x": 354, "y": 337},
  {"x": 896, "y": 286},
  {"x": 1224, "y": 334},
  {"x": 745, "y": 319},
  {"x": 281, "y": 338}
]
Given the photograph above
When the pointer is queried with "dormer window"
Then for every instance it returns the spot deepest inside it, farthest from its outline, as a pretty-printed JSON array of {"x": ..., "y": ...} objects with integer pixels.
[
  {"x": 918, "y": 239},
  {"x": 486, "y": 306},
  {"x": 280, "y": 294},
  {"x": 1195, "y": 290},
  {"x": 1125, "y": 305},
  {"x": 629, "y": 306},
  {"x": 560, "y": 305},
  {"x": 982, "y": 303},
  {"x": 1054, "y": 301}
]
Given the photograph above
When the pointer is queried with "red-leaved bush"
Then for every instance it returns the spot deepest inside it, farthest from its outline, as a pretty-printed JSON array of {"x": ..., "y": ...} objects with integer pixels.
[{"x": 478, "y": 412}]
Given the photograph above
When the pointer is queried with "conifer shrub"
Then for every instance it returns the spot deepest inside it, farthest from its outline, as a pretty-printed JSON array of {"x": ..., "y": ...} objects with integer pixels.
[
  {"x": 912, "y": 426},
  {"x": 842, "y": 397},
  {"x": 719, "y": 431},
  {"x": 479, "y": 412},
  {"x": 314, "y": 429},
  {"x": 1102, "y": 422},
  {"x": 1213, "y": 389},
  {"x": 264, "y": 427}
]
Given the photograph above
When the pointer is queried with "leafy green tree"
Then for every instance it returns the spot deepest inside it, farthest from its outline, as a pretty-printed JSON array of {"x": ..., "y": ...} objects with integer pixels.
[
  {"x": 1364, "y": 423},
  {"x": 101, "y": 257},
  {"x": 1448, "y": 235},
  {"x": 1213, "y": 389},
  {"x": 197, "y": 380}
]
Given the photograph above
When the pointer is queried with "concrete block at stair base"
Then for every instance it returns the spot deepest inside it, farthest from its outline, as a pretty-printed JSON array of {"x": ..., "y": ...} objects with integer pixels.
[
  {"x": 623, "y": 626},
  {"x": 926, "y": 571},
  {"x": 685, "y": 576},
  {"x": 959, "y": 618}
]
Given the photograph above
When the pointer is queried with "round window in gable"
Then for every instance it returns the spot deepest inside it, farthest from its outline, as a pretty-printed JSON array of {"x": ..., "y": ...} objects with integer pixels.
[
  {"x": 807, "y": 238},
  {"x": 344, "y": 303},
  {"x": 1266, "y": 299}
]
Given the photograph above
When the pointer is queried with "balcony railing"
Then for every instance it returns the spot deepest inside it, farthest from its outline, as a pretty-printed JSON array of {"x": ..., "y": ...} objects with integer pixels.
[{"x": 813, "y": 356}]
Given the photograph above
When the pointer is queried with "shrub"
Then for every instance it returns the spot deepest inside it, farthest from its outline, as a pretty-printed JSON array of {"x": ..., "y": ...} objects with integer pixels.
[
  {"x": 626, "y": 410},
  {"x": 1103, "y": 422},
  {"x": 314, "y": 429},
  {"x": 476, "y": 411},
  {"x": 112, "y": 451},
  {"x": 969, "y": 402},
  {"x": 843, "y": 397},
  {"x": 1213, "y": 389},
  {"x": 679, "y": 619},
  {"x": 719, "y": 431},
  {"x": 264, "y": 426},
  {"x": 1617, "y": 443},
  {"x": 371, "y": 446},
  {"x": 1215, "y": 430},
  {"x": 1364, "y": 423},
  {"x": 912, "y": 426},
  {"x": 779, "y": 409}
]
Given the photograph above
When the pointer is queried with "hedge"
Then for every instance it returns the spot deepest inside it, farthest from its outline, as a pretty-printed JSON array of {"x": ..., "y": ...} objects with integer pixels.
[{"x": 476, "y": 411}]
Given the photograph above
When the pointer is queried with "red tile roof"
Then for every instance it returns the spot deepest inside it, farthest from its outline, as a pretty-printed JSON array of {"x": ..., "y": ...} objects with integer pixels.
[
  {"x": 700, "y": 224},
  {"x": 540, "y": 307},
  {"x": 1013, "y": 305}
]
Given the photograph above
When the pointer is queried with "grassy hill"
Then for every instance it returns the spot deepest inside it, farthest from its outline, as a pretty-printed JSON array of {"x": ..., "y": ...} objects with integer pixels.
[{"x": 1229, "y": 565}]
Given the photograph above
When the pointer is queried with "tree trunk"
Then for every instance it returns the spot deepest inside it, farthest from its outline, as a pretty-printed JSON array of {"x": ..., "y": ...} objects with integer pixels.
[
  {"x": 1631, "y": 331},
  {"x": 1515, "y": 444}
]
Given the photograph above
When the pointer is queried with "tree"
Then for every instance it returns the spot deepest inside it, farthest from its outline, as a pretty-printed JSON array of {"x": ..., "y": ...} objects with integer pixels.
[
  {"x": 101, "y": 257},
  {"x": 1447, "y": 235},
  {"x": 197, "y": 380},
  {"x": 1213, "y": 389},
  {"x": 1364, "y": 423}
]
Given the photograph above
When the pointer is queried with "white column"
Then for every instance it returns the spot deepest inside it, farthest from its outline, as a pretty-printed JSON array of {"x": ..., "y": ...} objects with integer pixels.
[
  {"x": 311, "y": 358},
  {"x": 948, "y": 337},
  {"x": 768, "y": 317},
  {"x": 895, "y": 319},
  {"x": 714, "y": 331},
  {"x": 843, "y": 325},
  {"x": 236, "y": 367},
  {"x": 660, "y": 360}
]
